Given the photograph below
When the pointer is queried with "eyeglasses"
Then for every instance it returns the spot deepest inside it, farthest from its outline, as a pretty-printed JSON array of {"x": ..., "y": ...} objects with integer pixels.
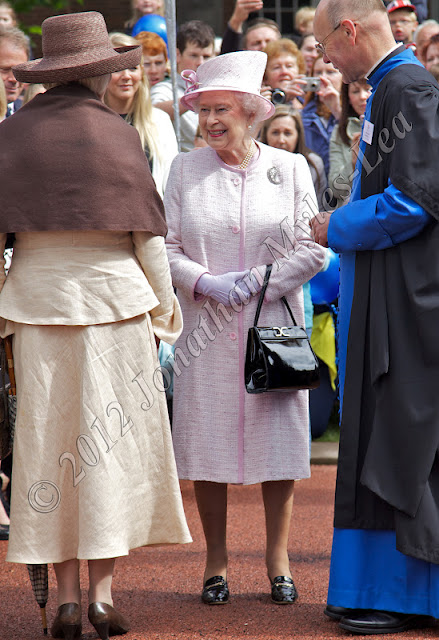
[{"x": 320, "y": 46}]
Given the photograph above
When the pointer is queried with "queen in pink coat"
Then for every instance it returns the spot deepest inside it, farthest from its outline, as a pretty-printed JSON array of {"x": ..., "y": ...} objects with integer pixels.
[{"x": 232, "y": 208}]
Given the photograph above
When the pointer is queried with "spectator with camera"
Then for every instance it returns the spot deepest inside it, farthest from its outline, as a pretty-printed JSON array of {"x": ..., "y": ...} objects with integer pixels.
[{"x": 283, "y": 82}]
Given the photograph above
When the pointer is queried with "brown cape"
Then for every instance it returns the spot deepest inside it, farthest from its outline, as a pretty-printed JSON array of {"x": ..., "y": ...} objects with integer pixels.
[{"x": 67, "y": 162}]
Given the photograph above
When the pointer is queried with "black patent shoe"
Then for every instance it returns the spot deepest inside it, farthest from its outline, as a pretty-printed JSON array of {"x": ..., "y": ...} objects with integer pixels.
[
  {"x": 283, "y": 590},
  {"x": 374, "y": 622},
  {"x": 337, "y": 613},
  {"x": 215, "y": 591}
]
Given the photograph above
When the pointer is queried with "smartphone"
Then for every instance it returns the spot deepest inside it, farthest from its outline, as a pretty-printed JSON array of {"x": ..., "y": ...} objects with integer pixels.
[{"x": 312, "y": 84}]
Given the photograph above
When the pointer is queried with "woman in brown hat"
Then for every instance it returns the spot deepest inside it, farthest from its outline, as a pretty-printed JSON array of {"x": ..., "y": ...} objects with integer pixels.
[{"x": 87, "y": 296}]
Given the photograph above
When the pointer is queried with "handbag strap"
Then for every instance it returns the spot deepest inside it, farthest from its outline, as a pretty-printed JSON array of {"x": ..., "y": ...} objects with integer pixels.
[{"x": 262, "y": 296}]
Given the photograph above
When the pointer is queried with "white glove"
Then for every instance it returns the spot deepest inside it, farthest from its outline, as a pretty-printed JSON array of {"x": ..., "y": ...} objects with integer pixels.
[
  {"x": 250, "y": 285},
  {"x": 221, "y": 288}
]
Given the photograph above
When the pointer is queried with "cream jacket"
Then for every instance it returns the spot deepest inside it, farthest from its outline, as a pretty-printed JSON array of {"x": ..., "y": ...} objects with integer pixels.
[{"x": 89, "y": 277}]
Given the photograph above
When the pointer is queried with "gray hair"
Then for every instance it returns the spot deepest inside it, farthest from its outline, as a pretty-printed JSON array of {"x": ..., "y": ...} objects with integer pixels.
[
  {"x": 426, "y": 23},
  {"x": 97, "y": 84},
  {"x": 358, "y": 9},
  {"x": 16, "y": 37},
  {"x": 250, "y": 104}
]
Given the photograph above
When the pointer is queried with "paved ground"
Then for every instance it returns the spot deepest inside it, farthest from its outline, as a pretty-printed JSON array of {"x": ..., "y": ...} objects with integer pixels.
[{"x": 158, "y": 589}]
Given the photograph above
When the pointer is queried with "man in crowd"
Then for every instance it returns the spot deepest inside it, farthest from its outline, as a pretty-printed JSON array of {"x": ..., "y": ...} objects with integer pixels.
[
  {"x": 195, "y": 45},
  {"x": 255, "y": 35},
  {"x": 403, "y": 21},
  {"x": 14, "y": 49},
  {"x": 384, "y": 575}
]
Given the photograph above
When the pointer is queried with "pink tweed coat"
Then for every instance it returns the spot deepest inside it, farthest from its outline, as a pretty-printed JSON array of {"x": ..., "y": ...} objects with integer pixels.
[{"x": 225, "y": 219}]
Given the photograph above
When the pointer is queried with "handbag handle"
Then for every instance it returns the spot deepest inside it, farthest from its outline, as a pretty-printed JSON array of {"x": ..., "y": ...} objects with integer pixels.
[{"x": 262, "y": 295}]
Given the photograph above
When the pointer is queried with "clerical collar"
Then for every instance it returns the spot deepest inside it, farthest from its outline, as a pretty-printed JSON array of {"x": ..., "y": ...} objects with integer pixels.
[{"x": 381, "y": 60}]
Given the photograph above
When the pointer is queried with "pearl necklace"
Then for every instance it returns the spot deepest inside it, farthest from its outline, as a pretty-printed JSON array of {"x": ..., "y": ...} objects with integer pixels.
[{"x": 248, "y": 157}]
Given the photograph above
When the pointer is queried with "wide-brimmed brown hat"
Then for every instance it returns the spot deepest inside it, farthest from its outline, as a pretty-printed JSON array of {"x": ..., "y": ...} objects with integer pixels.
[{"x": 76, "y": 46}]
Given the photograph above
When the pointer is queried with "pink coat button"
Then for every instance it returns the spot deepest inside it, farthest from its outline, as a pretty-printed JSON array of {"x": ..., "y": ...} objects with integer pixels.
[
  {"x": 233, "y": 336},
  {"x": 236, "y": 181},
  {"x": 235, "y": 229}
]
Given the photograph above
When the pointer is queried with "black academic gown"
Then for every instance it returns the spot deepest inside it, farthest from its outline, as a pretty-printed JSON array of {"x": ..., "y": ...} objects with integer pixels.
[{"x": 388, "y": 475}]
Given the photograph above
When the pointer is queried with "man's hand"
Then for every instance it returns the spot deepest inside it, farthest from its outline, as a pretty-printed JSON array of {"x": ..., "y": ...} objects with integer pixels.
[
  {"x": 241, "y": 12},
  {"x": 319, "y": 228}
]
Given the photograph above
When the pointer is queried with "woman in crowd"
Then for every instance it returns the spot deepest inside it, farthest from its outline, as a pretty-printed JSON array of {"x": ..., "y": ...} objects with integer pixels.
[
  {"x": 322, "y": 109},
  {"x": 431, "y": 52},
  {"x": 343, "y": 147},
  {"x": 155, "y": 56},
  {"x": 225, "y": 206},
  {"x": 285, "y": 64},
  {"x": 284, "y": 130},
  {"x": 87, "y": 295},
  {"x": 128, "y": 95}
]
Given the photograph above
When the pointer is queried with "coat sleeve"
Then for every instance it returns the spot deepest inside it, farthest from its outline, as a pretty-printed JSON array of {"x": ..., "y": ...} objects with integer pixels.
[
  {"x": 377, "y": 222},
  {"x": 185, "y": 272},
  {"x": 151, "y": 253},
  {"x": 292, "y": 268},
  {"x": 340, "y": 168}
]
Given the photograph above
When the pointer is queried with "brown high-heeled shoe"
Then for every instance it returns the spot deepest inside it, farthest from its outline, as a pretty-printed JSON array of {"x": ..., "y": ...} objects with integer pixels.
[
  {"x": 107, "y": 621},
  {"x": 67, "y": 623}
]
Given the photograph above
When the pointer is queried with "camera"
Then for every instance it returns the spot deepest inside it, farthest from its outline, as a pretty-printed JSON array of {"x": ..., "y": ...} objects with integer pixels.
[
  {"x": 278, "y": 96},
  {"x": 312, "y": 84}
]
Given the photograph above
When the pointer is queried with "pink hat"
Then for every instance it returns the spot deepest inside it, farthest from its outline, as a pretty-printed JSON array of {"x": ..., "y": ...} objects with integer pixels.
[
  {"x": 241, "y": 71},
  {"x": 400, "y": 4}
]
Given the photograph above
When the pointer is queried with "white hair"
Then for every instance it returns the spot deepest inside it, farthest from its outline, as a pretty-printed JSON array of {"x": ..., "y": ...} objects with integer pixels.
[{"x": 426, "y": 23}]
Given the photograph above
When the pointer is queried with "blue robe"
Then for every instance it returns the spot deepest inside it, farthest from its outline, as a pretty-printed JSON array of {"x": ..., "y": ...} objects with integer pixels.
[{"x": 367, "y": 571}]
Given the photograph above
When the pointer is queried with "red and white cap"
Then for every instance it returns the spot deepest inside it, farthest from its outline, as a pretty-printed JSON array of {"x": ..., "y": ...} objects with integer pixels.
[{"x": 400, "y": 4}]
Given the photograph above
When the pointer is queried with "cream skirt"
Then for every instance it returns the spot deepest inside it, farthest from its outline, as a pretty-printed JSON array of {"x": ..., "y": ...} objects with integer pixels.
[{"x": 94, "y": 472}]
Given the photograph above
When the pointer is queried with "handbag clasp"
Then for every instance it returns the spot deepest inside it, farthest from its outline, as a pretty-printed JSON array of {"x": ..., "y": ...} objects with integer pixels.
[{"x": 281, "y": 332}]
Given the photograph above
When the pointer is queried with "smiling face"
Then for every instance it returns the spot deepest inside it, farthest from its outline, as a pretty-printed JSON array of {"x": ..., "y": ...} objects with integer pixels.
[
  {"x": 9, "y": 57},
  {"x": 223, "y": 122},
  {"x": 122, "y": 88},
  {"x": 282, "y": 133},
  {"x": 281, "y": 71}
]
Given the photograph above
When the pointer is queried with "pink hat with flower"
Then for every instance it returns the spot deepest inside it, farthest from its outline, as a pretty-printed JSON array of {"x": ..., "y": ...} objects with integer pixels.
[{"x": 241, "y": 71}]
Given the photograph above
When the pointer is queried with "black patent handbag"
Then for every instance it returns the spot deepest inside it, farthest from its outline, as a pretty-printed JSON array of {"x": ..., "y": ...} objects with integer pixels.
[{"x": 279, "y": 358}]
